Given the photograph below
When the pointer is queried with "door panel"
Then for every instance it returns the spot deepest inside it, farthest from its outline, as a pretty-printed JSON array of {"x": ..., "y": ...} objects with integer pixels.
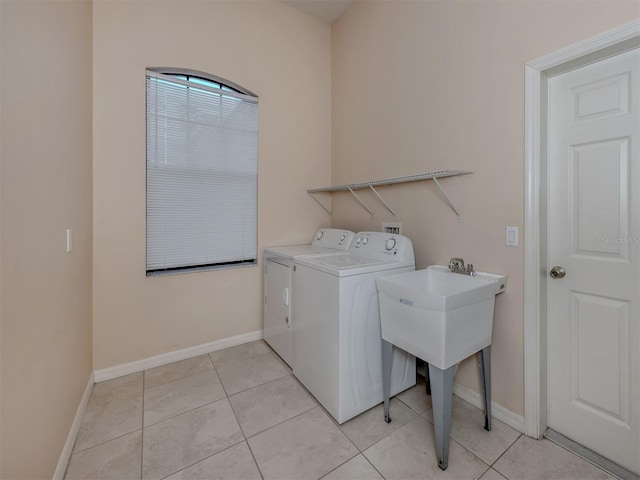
[
  {"x": 594, "y": 233},
  {"x": 599, "y": 174},
  {"x": 599, "y": 337},
  {"x": 277, "y": 309}
]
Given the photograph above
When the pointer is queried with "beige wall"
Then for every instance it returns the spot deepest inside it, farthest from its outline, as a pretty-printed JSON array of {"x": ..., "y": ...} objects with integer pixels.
[
  {"x": 422, "y": 86},
  {"x": 45, "y": 189},
  {"x": 278, "y": 53}
]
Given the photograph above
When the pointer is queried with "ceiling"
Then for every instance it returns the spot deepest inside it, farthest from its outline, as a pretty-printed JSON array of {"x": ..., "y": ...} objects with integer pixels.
[{"x": 326, "y": 10}]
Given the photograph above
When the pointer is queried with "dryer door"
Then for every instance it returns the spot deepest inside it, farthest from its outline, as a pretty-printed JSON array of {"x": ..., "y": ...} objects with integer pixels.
[{"x": 277, "y": 309}]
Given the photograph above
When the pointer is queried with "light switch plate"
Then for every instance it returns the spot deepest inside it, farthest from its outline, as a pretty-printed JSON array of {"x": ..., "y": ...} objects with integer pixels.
[
  {"x": 512, "y": 236},
  {"x": 69, "y": 240}
]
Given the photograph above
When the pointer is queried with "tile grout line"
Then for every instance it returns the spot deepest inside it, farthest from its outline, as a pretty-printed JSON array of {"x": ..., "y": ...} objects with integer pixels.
[
  {"x": 485, "y": 472},
  {"x": 284, "y": 421},
  {"x": 279, "y": 423},
  {"x": 202, "y": 460},
  {"x": 179, "y": 378},
  {"x": 373, "y": 466},
  {"x": 116, "y": 437},
  {"x": 107, "y": 441},
  {"x": 246, "y": 389},
  {"x": 213, "y": 368},
  {"x": 317, "y": 405},
  {"x": 176, "y": 415},
  {"x": 208, "y": 403},
  {"x": 244, "y": 436},
  {"x": 182, "y": 413},
  {"x": 287, "y": 372},
  {"x": 360, "y": 452},
  {"x": 503, "y": 454},
  {"x": 399, "y": 426},
  {"x": 489, "y": 465},
  {"x": 346, "y": 461},
  {"x": 241, "y": 359},
  {"x": 258, "y": 385},
  {"x": 226, "y": 397},
  {"x": 416, "y": 415}
]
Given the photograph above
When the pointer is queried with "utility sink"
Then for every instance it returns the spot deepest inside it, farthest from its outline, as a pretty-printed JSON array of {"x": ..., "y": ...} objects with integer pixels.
[
  {"x": 441, "y": 317},
  {"x": 437, "y": 315}
]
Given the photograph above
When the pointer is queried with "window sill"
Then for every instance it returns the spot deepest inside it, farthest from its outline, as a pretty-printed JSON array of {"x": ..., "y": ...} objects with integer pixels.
[{"x": 207, "y": 268}]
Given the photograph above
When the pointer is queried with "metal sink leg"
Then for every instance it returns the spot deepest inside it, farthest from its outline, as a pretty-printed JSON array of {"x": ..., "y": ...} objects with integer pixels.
[
  {"x": 441, "y": 398},
  {"x": 485, "y": 377},
  {"x": 387, "y": 350}
]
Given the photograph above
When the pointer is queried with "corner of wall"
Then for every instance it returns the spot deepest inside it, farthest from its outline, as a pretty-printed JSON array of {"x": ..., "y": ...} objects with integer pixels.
[
  {"x": 1, "y": 476},
  {"x": 65, "y": 455}
]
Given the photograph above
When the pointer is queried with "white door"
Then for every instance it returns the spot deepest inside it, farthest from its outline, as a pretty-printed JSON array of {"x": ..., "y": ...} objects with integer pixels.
[{"x": 594, "y": 234}]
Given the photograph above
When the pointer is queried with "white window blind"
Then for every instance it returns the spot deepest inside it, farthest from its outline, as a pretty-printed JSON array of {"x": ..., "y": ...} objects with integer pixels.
[{"x": 202, "y": 150}]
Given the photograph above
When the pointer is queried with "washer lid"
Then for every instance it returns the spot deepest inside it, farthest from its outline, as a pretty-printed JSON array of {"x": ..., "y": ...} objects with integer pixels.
[
  {"x": 346, "y": 264},
  {"x": 295, "y": 251}
]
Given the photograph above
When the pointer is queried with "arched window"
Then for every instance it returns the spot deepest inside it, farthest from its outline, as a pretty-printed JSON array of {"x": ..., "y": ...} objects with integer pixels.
[{"x": 202, "y": 181}]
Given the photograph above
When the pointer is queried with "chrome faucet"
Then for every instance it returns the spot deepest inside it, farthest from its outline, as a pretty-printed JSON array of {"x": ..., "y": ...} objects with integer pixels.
[{"x": 456, "y": 265}]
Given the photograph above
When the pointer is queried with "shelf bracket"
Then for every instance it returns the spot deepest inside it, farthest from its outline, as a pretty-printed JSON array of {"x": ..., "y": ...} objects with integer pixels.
[
  {"x": 320, "y": 203},
  {"x": 360, "y": 201},
  {"x": 448, "y": 199},
  {"x": 383, "y": 202}
]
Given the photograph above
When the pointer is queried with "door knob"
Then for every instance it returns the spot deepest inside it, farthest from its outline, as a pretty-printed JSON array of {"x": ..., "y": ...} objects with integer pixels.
[{"x": 557, "y": 272}]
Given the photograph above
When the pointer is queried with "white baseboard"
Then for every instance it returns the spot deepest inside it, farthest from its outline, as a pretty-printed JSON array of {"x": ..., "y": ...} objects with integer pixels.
[
  {"x": 65, "y": 456},
  {"x": 175, "y": 356},
  {"x": 497, "y": 411}
]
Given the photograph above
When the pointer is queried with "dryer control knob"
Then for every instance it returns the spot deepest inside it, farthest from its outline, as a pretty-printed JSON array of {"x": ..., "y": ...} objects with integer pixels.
[
  {"x": 358, "y": 239},
  {"x": 343, "y": 237},
  {"x": 390, "y": 244},
  {"x": 365, "y": 240}
]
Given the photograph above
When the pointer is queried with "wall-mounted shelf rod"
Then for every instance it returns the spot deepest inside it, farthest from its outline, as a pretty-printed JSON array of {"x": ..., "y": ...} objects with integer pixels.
[{"x": 390, "y": 181}]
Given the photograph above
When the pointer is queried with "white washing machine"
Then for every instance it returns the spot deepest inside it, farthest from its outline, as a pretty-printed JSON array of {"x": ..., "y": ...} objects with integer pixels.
[
  {"x": 336, "y": 334},
  {"x": 278, "y": 265}
]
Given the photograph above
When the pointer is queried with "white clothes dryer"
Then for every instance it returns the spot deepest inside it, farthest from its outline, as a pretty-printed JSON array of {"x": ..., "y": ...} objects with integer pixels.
[
  {"x": 278, "y": 265},
  {"x": 336, "y": 334}
]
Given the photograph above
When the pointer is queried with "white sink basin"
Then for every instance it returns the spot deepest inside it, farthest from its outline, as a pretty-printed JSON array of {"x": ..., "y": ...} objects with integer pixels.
[{"x": 439, "y": 316}]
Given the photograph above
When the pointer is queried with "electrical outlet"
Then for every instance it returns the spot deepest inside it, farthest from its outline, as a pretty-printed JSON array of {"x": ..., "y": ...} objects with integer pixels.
[{"x": 392, "y": 227}]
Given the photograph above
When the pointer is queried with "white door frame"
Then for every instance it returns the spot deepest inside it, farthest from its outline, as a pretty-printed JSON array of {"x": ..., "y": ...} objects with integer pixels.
[{"x": 537, "y": 73}]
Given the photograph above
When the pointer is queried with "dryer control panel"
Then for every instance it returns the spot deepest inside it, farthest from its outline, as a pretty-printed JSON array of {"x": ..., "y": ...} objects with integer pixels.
[
  {"x": 333, "y": 238},
  {"x": 383, "y": 245}
]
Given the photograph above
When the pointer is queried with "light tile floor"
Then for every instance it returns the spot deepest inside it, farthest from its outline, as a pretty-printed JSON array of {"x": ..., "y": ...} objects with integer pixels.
[{"x": 239, "y": 414}]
